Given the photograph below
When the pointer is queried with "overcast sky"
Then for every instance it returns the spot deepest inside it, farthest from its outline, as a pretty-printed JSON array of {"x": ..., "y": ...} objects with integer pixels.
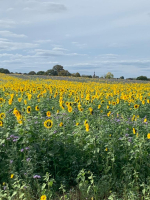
[{"x": 84, "y": 36}]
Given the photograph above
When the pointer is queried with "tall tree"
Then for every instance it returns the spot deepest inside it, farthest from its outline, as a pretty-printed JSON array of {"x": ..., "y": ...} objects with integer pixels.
[
  {"x": 5, "y": 71},
  {"x": 51, "y": 72},
  {"x": 32, "y": 73},
  {"x": 109, "y": 75},
  {"x": 40, "y": 73},
  {"x": 58, "y": 68},
  {"x": 64, "y": 73}
]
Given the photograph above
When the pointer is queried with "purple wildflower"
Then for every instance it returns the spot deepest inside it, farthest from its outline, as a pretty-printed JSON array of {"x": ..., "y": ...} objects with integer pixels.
[
  {"x": 11, "y": 161},
  {"x": 36, "y": 176},
  {"x": 22, "y": 150},
  {"x": 126, "y": 135},
  {"x": 28, "y": 159},
  {"x": 4, "y": 187}
]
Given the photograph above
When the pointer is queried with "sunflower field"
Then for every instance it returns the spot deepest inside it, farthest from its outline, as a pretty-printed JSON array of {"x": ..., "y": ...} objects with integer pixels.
[{"x": 74, "y": 140}]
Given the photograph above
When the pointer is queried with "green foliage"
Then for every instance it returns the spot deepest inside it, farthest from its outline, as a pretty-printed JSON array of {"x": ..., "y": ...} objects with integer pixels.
[
  {"x": 51, "y": 72},
  {"x": 5, "y": 71},
  {"x": 144, "y": 78},
  {"x": 32, "y": 73},
  {"x": 58, "y": 68},
  {"x": 109, "y": 75},
  {"x": 76, "y": 74},
  {"x": 63, "y": 73},
  {"x": 40, "y": 73}
]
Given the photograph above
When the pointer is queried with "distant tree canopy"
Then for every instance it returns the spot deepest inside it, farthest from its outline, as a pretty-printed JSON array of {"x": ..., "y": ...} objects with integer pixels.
[
  {"x": 76, "y": 74},
  {"x": 121, "y": 77},
  {"x": 58, "y": 68},
  {"x": 142, "y": 78},
  {"x": 40, "y": 73},
  {"x": 32, "y": 73},
  {"x": 51, "y": 72},
  {"x": 87, "y": 76},
  {"x": 5, "y": 71},
  {"x": 64, "y": 73},
  {"x": 109, "y": 75}
]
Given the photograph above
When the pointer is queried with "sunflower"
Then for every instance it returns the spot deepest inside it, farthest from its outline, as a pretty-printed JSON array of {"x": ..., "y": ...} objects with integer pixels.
[
  {"x": 43, "y": 197},
  {"x": 91, "y": 110},
  {"x": 1, "y": 100},
  {"x": 48, "y": 123},
  {"x": 85, "y": 122},
  {"x": 19, "y": 99},
  {"x": 48, "y": 113},
  {"x": 69, "y": 109},
  {"x": 12, "y": 175},
  {"x": 10, "y": 101},
  {"x": 1, "y": 123},
  {"x": 134, "y": 131},
  {"x": 136, "y": 106},
  {"x": 87, "y": 127},
  {"x": 25, "y": 102},
  {"x": 61, "y": 124},
  {"x": 37, "y": 108},
  {"x": 28, "y": 109},
  {"x": 2, "y": 115},
  {"x": 99, "y": 106},
  {"x": 148, "y": 136}
]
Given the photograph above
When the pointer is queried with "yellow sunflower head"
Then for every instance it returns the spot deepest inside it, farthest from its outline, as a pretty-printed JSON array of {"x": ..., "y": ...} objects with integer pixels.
[{"x": 48, "y": 123}]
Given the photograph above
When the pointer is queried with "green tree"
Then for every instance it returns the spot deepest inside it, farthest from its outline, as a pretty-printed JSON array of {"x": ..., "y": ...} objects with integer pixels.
[
  {"x": 64, "y": 73},
  {"x": 121, "y": 77},
  {"x": 144, "y": 78},
  {"x": 51, "y": 72},
  {"x": 32, "y": 73},
  {"x": 5, "y": 71},
  {"x": 109, "y": 75},
  {"x": 76, "y": 74},
  {"x": 58, "y": 68},
  {"x": 40, "y": 73}
]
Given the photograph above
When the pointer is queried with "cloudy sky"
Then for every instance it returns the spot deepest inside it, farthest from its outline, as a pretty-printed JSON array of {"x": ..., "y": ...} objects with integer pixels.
[{"x": 83, "y": 35}]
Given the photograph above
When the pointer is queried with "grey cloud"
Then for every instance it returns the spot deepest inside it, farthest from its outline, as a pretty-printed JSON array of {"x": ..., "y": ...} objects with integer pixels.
[
  {"x": 77, "y": 44},
  {"x": 12, "y": 62},
  {"x": 9, "y": 9},
  {"x": 42, "y": 7},
  {"x": 55, "y": 52},
  {"x": 42, "y": 41},
  {"x": 10, "y": 34},
  {"x": 8, "y": 46},
  {"x": 7, "y": 23}
]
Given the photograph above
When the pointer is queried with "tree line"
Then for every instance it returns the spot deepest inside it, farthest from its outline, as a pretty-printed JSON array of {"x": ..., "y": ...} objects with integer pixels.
[{"x": 58, "y": 70}]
